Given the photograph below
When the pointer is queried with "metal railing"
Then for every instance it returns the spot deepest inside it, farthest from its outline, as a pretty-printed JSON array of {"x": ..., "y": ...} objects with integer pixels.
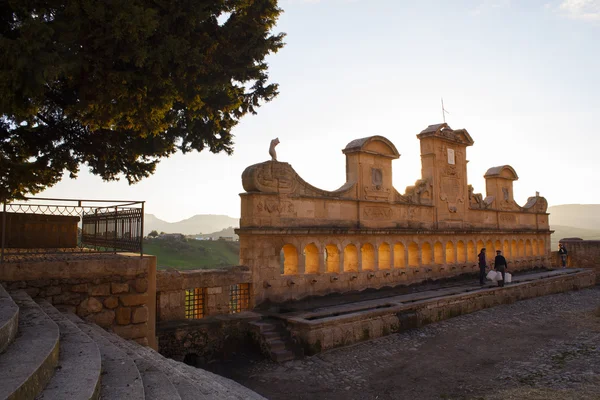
[{"x": 43, "y": 226}]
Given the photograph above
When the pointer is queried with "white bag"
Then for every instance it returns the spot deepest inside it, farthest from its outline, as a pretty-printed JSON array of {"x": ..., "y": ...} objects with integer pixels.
[
  {"x": 507, "y": 277},
  {"x": 491, "y": 276}
]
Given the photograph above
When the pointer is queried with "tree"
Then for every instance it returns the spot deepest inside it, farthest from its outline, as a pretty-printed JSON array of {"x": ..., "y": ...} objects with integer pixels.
[
  {"x": 153, "y": 234},
  {"x": 118, "y": 85}
]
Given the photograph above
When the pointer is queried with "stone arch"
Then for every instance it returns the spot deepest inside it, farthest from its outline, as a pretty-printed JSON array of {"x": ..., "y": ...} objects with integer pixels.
[
  {"x": 461, "y": 252},
  {"x": 542, "y": 247},
  {"x": 528, "y": 248},
  {"x": 367, "y": 253},
  {"x": 289, "y": 259},
  {"x": 534, "y": 247},
  {"x": 506, "y": 249},
  {"x": 332, "y": 258},
  {"x": 471, "y": 252},
  {"x": 311, "y": 259},
  {"x": 514, "y": 252},
  {"x": 350, "y": 258},
  {"x": 413, "y": 254},
  {"x": 426, "y": 254},
  {"x": 489, "y": 245},
  {"x": 438, "y": 253},
  {"x": 399, "y": 255},
  {"x": 384, "y": 253},
  {"x": 497, "y": 246},
  {"x": 480, "y": 245},
  {"x": 521, "y": 246},
  {"x": 450, "y": 253}
]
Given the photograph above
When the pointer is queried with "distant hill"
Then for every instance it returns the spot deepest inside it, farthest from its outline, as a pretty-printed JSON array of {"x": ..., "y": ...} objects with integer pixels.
[
  {"x": 584, "y": 216},
  {"x": 574, "y": 220},
  {"x": 227, "y": 232},
  {"x": 201, "y": 223}
]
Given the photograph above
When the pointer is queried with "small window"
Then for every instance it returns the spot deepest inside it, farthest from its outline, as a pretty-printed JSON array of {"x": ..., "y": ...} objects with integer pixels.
[
  {"x": 239, "y": 298},
  {"x": 194, "y": 303}
]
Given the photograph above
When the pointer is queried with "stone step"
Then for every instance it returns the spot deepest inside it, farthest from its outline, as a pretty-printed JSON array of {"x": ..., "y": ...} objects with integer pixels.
[
  {"x": 157, "y": 385},
  {"x": 79, "y": 363},
  {"x": 120, "y": 376},
  {"x": 186, "y": 389},
  {"x": 213, "y": 386},
  {"x": 276, "y": 344},
  {"x": 264, "y": 326},
  {"x": 9, "y": 319},
  {"x": 271, "y": 335},
  {"x": 282, "y": 355},
  {"x": 28, "y": 363}
]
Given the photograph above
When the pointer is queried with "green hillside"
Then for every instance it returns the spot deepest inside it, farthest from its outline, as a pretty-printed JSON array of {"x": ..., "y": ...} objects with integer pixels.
[{"x": 193, "y": 254}]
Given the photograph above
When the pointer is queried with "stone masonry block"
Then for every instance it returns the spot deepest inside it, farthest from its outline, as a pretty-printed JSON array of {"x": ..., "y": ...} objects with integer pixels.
[
  {"x": 214, "y": 290},
  {"x": 140, "y": 314},
  {"x": 88, "y": 306},
  {"x": 118, "y": 288},
  {"x": 81, "y": 288},
  {"x": 123, "y": 315},
  {"x": 100, "y": 290},
  {"x": 141, "y": 285},
  {"x": 129, "y": 300},
  {"x": 111, "y": 302},
  {"x": 104, "y": 318}
]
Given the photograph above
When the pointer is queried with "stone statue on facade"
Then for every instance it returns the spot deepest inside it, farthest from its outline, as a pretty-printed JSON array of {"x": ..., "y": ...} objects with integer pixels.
[{"x": 272, "y": 152}]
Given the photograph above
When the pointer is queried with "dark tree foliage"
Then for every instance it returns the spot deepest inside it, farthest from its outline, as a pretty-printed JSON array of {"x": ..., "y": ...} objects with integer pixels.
[{"x": 119, "y": 84}]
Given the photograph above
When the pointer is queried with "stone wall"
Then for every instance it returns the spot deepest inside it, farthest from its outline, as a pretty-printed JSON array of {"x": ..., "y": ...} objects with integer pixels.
[
  {"x": 326, "y": 333},
  {"x": 116, "y": 292},
  {"x": 171, "y": 287},
  {"x": 206, "y": 339},
  {"x": 581, "y": 254}
]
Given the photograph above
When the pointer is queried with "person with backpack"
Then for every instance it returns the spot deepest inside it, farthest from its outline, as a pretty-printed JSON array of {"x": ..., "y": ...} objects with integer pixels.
[
  {"x": 562, "y": 252},
  {"x": 500, "y": 265},
  {"x": 482, "y": 266}
]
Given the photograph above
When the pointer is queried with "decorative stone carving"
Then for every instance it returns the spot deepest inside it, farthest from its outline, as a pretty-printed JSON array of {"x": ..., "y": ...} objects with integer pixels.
[
  {"x": 272, "y": 152},
  {"x": 421, "y": 193},
  {"x": 451, "y": 189},
  {"x": 377, "y": 213},
  {"x": 476, "y": 200}
]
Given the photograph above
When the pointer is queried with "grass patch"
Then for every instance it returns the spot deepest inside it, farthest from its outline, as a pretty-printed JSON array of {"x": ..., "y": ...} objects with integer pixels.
[{"x": 193, "y": 254}]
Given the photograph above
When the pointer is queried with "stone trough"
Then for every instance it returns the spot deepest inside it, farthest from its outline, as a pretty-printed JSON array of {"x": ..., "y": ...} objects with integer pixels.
[{"x": 341, "y": 325}]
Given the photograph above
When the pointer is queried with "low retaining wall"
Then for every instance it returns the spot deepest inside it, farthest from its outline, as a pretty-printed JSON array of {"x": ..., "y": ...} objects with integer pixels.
[
  {"x": 318, "y": 335},
  {"x": 116, "y": 292},
  {"x": 171, "y": 287}
]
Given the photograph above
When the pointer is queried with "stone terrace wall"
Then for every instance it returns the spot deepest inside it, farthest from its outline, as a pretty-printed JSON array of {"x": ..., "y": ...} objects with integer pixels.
[
  {"x": 171, "y": 287},
  {"x": 116, "y": 292}
]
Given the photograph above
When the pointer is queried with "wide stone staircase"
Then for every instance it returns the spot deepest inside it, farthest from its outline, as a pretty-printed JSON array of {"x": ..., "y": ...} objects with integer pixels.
[{"x": 46, "y": 354}]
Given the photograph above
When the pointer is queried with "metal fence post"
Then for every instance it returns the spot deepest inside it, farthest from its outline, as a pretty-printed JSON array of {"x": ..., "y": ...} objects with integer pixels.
[
  {"x": 142, "y": 232},
  {"x": 3, "y": 230}
]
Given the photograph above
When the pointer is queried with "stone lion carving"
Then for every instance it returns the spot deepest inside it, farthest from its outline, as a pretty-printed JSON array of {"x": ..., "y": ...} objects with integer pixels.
[{"x": 272, "y": 152}]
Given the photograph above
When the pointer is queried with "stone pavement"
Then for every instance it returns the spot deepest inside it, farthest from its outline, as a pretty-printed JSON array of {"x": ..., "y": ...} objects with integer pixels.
[{"x": 547, "y": 347}]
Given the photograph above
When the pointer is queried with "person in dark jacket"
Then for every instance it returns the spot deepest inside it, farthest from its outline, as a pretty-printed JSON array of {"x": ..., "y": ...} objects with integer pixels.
[
  {"x": 482, "y": 266},
  {"x": 500, "y": 265},
  {"x": 562, "y": 252}
]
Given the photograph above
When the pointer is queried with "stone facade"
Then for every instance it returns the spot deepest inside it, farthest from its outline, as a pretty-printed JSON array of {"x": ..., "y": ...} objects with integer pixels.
[
  {"x": 117, "y": 292},
  {"x": 299, "y": 240},
  {"x": 215, "y": 288}
]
